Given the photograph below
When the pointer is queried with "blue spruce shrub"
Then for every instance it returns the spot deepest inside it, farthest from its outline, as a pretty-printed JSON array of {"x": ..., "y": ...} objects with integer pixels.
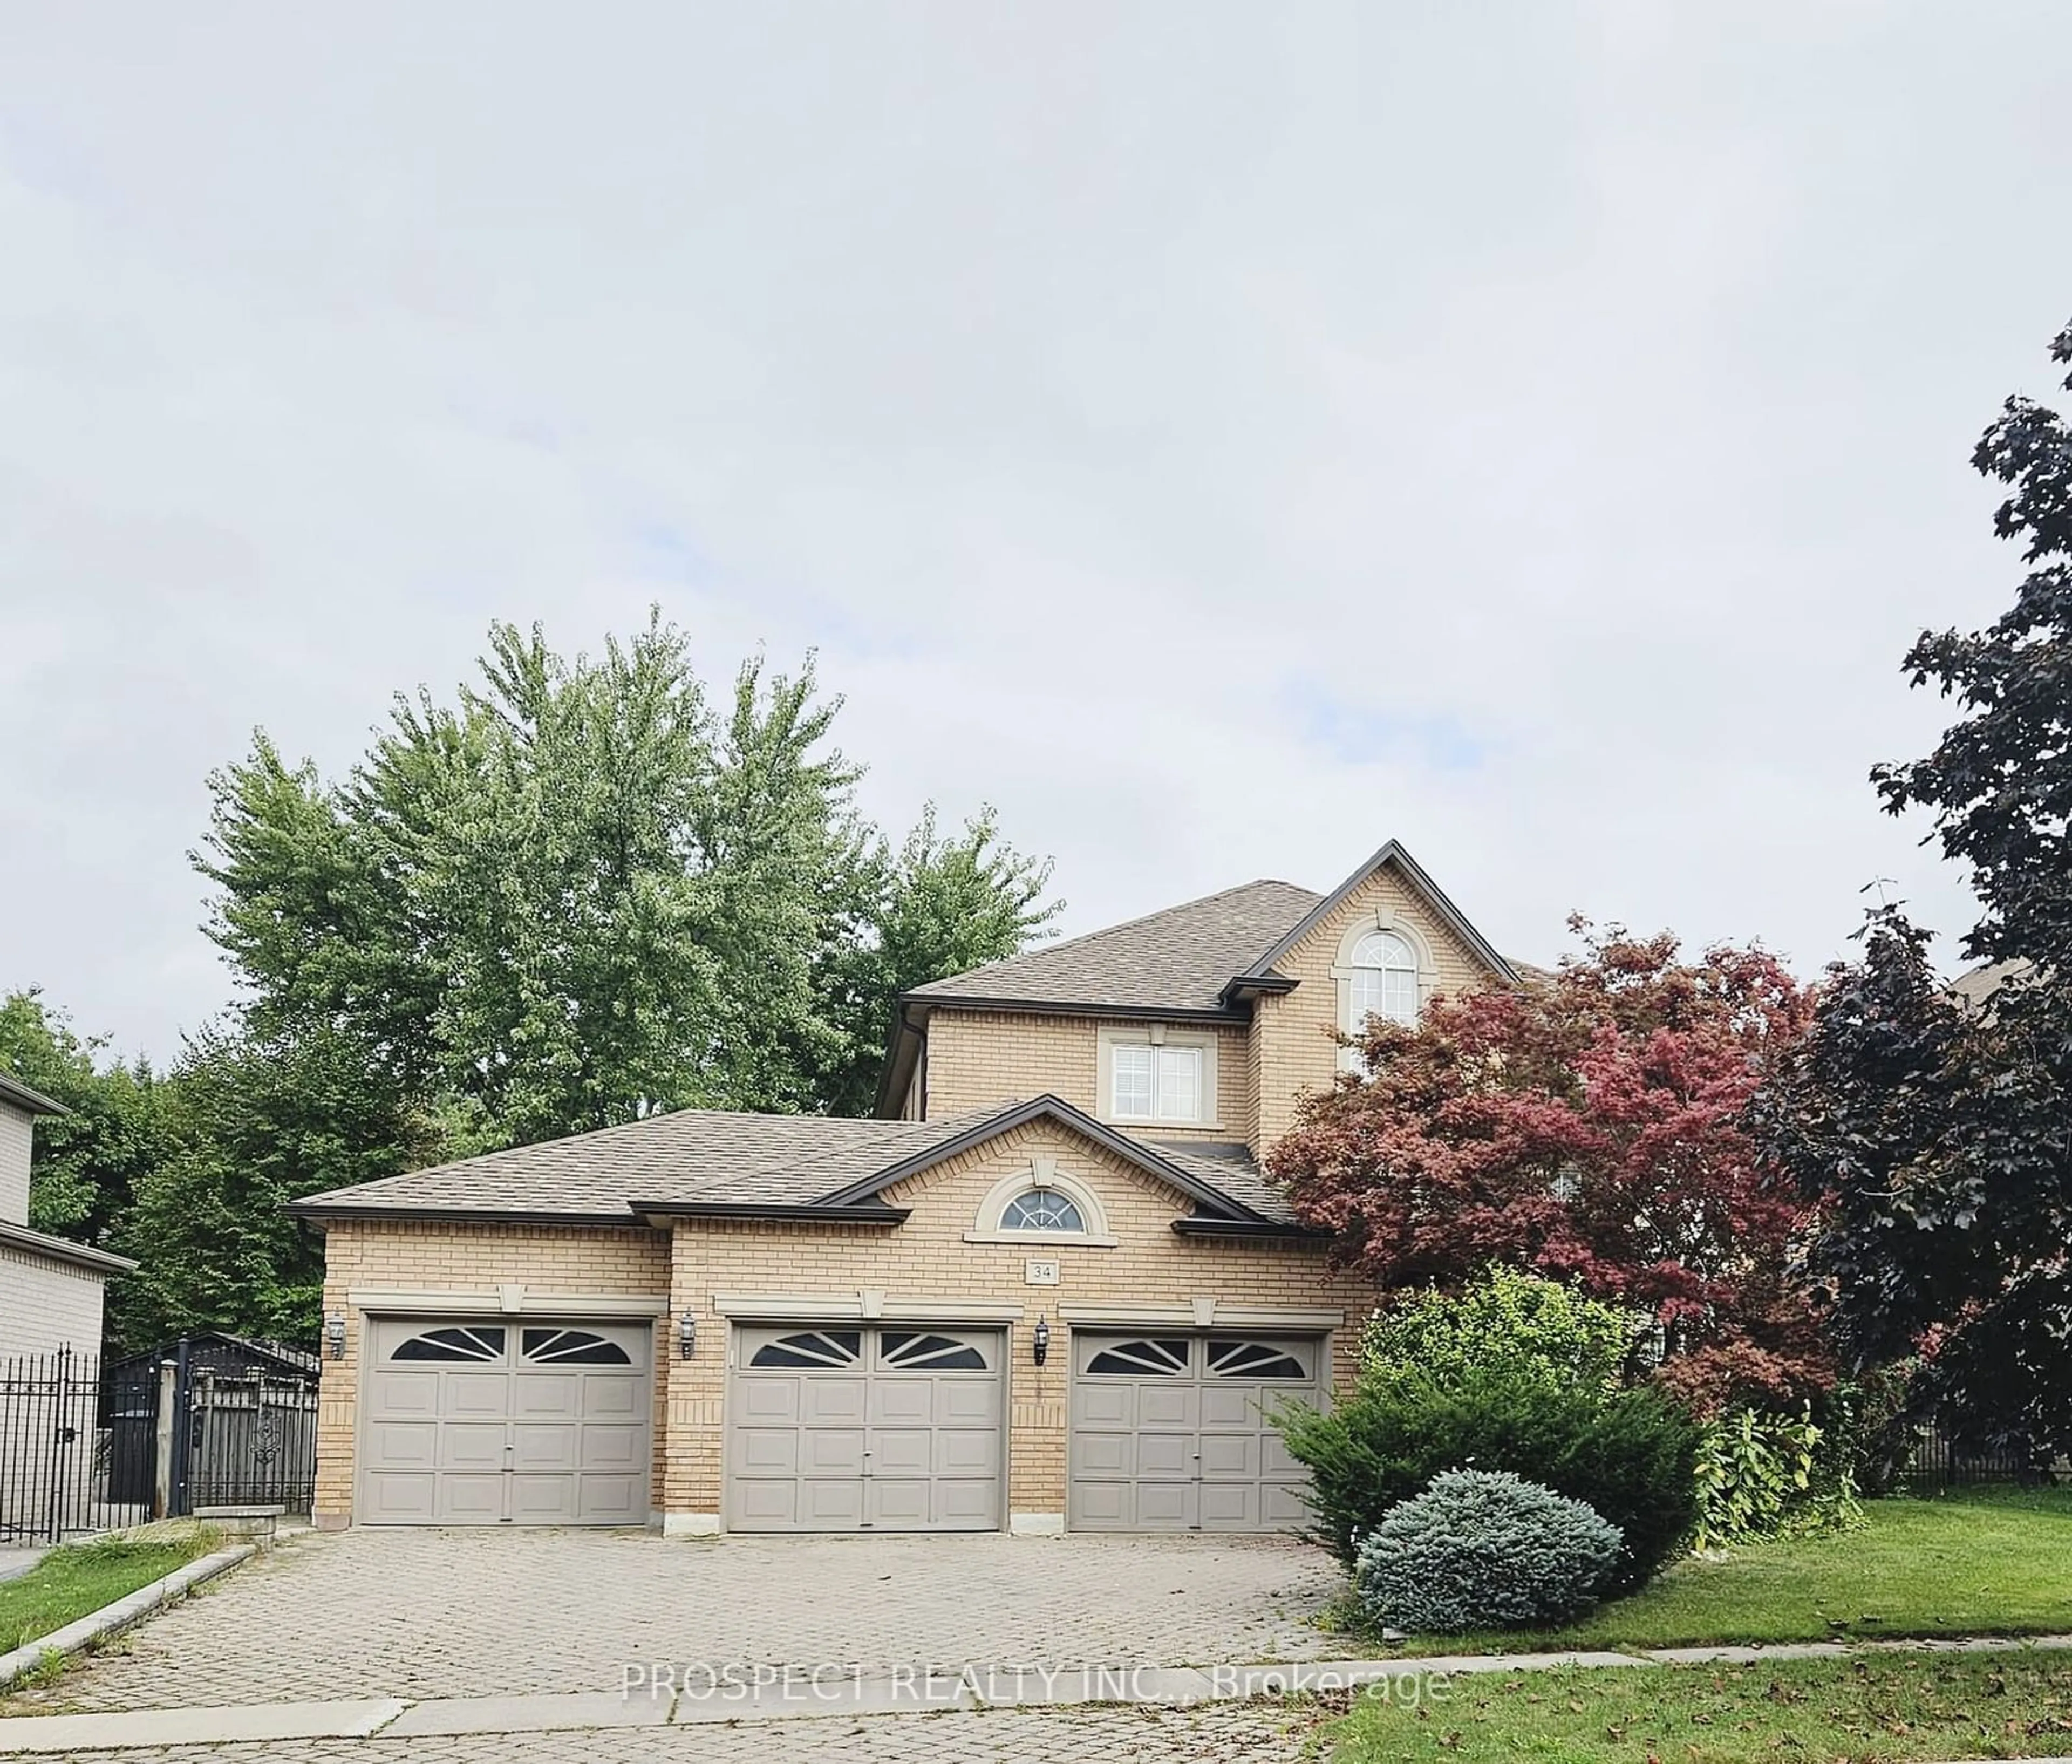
[{"x": 1484, "y": 1549}]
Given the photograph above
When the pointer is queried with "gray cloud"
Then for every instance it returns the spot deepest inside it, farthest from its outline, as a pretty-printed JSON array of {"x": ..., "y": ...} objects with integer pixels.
[{"x": 1223, "y": 437}]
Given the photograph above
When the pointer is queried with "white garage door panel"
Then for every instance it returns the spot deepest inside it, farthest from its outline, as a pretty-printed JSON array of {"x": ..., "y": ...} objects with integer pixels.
[
  {"x": 1169, "y": 1433},
  {"x": 389, "y": 1494},
  {"x": 612, "y": 1448},
  {"x": 463, "y": 1499},
  {"x": 842, "y": 1429},
  {"x": 470, "y": 1423}
]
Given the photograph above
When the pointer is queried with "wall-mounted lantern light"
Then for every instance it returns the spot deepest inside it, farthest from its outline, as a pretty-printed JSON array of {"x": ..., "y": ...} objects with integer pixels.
[
  {"x": 687, "y": 1336},
  {"x": 334, "y": 1334},
  {"x": 1041, "y": 1344}
]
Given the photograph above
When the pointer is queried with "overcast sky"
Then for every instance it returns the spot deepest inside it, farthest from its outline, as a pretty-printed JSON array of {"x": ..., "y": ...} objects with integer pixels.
[{"x": 1223, "y": 437}]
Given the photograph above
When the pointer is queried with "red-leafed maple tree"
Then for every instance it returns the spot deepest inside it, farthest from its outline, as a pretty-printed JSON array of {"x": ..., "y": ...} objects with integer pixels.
[{"x": 1587, "y": 1125}]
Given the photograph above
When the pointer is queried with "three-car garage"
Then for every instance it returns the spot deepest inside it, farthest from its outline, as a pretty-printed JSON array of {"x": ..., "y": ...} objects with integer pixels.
[{"x": 829, "y": 1427}]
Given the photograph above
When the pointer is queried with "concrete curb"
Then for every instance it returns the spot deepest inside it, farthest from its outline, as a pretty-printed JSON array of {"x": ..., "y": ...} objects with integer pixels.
[
  {"x": 125, "y": 1611},
  {"x": 600, "y": 1711}
]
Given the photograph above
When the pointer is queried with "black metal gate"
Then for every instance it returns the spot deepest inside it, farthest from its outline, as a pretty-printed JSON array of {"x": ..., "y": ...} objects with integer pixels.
[
  {"x": 243, "y": 1430},
  {"x": 62, "y": 1471}
]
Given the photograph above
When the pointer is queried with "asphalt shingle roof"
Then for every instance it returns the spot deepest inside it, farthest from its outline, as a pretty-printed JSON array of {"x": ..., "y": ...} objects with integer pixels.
[
  {"x": 1230, "y": 1169},
  {"x": 691, "y": 1155},
  {"x": 705, "y": 1156},
  {"x": 1178, "y": 959},
  {"x": 1976, "y": 989}
]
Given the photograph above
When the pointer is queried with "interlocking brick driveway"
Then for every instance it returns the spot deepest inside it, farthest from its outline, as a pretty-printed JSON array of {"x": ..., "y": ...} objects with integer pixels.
[{"x": 433, "y": 1613}]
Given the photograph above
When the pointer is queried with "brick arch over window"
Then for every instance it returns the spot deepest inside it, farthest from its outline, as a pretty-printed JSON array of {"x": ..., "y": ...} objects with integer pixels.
[
  {"x": 1362, "y": 925},
  {"x": 1042, "y": 1172}
]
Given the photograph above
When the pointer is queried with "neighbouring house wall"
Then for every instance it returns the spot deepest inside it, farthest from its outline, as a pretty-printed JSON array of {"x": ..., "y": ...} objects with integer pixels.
[
  {"x": 1293, "y": 1050},
  {"x": 980, "y": 1059},
  {"x": 46, "y": 1305},
  {"x": 928, "y": 1258},
  {"x": 437, "y": 1256},
  {"x": 16, "y": 1125}
]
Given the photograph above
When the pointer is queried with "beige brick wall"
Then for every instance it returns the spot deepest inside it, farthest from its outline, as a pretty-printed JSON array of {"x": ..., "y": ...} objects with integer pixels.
[
  {"x": 980, "y": 1059},
  {"x": 1293, "y": 1050},
  {"x": 413, "y": 1255},
  {"x": 47, "y": 1305},
  {"x": 928, "y": 1259}
]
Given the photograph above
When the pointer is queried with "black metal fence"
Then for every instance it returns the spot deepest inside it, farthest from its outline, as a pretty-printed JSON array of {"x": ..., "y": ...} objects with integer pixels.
[
  {"x": 82, "y": 1449},
  {"x": 252, "y": 1440},
  {"x": 59, "y": 1472},
  {"x": 1938, "y": 1462},
  {"x": 243, "y": 1427}
]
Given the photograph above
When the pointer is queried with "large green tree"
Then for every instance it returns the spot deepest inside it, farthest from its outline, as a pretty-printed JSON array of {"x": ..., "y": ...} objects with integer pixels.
[
  {"x": 582, "y": 890},
  {"x": 1938, "y": 1141},
  {"x": 577, "y": 891}
]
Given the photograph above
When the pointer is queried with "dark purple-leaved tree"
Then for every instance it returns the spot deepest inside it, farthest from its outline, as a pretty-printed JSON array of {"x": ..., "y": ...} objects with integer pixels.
[{"x": 1937, "y": 1139}]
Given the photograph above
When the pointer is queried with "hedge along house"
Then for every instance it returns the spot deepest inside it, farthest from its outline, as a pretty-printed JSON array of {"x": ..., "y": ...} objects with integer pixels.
[{"x": 1046, "y": 1288}]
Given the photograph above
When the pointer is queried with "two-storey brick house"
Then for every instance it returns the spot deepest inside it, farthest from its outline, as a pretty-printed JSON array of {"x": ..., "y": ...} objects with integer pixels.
[{"x": 1047, "y": 1288}]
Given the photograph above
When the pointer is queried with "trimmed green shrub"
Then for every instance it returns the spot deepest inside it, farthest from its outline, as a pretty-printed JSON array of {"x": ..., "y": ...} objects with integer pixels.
[
  {"x": 1630, "y": 1454},
  {"x": 1509, "y": 1322},
  {"x": 1762, "y": 1476},
  {"x": 1482, "y": 1549}
]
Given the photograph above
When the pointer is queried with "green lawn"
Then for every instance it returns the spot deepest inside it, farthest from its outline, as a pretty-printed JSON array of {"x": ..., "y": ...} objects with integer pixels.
[
  {"x": 1892, "y": 1706},
  {"x": 70, "y": 1582},
  {"x": 1992, "y": 1562}
]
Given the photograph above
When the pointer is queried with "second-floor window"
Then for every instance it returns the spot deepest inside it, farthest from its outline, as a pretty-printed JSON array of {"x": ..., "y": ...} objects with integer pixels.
[
  {"x": 1384, "y": 981},
  {"x": 1156, "y": 1082}
]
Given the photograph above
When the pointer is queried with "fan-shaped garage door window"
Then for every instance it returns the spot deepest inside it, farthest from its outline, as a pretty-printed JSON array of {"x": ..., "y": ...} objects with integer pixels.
[
  {"x": 1231, "y": 1357},
  {"x": 573, "y": 1347},
  {"x": 453, "y": 1346},
  {"x": 911, "y": 1350},
  {"x": 816, "y": 1350},
  {"x": 1143, "y": 1360}
]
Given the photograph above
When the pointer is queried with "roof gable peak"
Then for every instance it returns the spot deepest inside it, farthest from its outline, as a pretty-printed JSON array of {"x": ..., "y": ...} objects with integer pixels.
[
  {"x": 1392, "y": 856},
  {"x": 1137, "y": 1153}
]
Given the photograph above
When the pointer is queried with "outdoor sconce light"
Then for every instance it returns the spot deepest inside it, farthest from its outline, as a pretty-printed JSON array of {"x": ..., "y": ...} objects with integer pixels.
[
  {"x": 334, "y": 1334},
  {"x": 1041, "y": 1343},
  {"x": 687, "y": 1336}
]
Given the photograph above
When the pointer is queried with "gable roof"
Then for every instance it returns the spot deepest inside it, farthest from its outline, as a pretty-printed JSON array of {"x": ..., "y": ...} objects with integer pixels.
[
  {"x": 1198, "y": 961},
  {"x": 1195, "y": 958},
  {"x": 709, "y": 1163},
  {"x": 1393, "y": 856},
  {"x": 1154, "y": 1160},
  {"x": 1175, "y": 961}
]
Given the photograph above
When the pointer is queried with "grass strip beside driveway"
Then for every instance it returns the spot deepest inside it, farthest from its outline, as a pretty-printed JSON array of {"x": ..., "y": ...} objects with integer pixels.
[
  {"x": 1989, "y": 1562},
  {"x": 1868, "y": 1709},
  {"x": 78, "y": 1579}
]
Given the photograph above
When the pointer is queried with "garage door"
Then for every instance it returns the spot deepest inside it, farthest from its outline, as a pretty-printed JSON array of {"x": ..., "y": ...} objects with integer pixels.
[
  {"x": 468, "y": 1423},
  {"x": 1169, "y": 1433},
  {"x": 844, "y": 1428}
]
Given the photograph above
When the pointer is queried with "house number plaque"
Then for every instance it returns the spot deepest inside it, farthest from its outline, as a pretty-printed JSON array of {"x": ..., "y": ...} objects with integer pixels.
[{"x": 1034, "y": 1273}]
